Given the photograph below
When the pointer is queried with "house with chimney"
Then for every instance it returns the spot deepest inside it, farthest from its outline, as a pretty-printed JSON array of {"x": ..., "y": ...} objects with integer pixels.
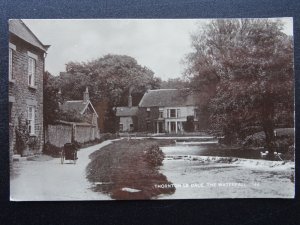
[
  {"x": 85, "y": 112},
  {"x": 26, "y": 67},
  {"x": 127, "y": 117},
  {"x": 168, "y": 111}
]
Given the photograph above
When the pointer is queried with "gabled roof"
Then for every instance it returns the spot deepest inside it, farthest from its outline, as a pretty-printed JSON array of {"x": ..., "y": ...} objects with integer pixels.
[
  {"x": 77, "y": 106},
  {"x": 167, "y": 98},
  {"x": 126, "y": 111},
  {"x": 18, "y": 28}
]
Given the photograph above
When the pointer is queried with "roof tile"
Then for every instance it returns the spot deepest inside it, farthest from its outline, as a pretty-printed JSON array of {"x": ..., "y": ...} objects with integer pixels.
[
  {"x": 167, "y": 98},
  {"x": 18, "y": 28}
]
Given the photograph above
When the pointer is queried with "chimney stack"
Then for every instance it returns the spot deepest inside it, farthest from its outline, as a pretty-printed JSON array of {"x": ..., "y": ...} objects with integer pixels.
[
  {"x": 86, "y": 96},
  {"x": 130, "y": 97},
  {"x": 129, "y": 100}
]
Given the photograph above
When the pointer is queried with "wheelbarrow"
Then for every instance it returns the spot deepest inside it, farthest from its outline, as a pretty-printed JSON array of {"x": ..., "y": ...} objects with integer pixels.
[{"x": 69, "y": 152}]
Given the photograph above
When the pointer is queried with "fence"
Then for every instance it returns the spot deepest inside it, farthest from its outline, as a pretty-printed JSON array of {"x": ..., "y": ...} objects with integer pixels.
[{"x": 60, "y": 134}]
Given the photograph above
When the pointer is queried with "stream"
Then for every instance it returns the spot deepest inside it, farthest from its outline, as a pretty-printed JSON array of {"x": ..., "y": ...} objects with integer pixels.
[{"x": 209, "y": 149}]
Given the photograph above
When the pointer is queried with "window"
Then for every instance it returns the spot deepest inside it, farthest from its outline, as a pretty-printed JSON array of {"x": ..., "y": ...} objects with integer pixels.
[
  {"x": 31, "y": 119},
  {"x": 10, "y": 63},
  {"x": 12, "y": 48},
  {"x": 120, "y": 127},
  {"x": 10, "y": 112},
  {"x": 173, "y": 126},
  {"x": 148, "y": 126},
  {"x": 31, "y": 71},
  {"x": 172, "y": 113},
  {"x": 161, "y": 114},
  {"x": 131, "y": 127},
  {"x": 178, "y": 113},
  {"x": 94, "y": 119},
  {"x": 148, "y": 112}
]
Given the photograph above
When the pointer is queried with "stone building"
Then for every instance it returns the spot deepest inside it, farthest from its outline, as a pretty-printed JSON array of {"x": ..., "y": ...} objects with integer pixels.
[
  {"x": 26, "y": 67},
  {"x": 167, "y": 111},
  {"x": 85, "y": 111},
  {"x": 127, "y": 117}
]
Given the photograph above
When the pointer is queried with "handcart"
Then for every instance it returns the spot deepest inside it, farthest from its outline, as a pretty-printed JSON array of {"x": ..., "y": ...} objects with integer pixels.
[{"x": 69, "y": 152}]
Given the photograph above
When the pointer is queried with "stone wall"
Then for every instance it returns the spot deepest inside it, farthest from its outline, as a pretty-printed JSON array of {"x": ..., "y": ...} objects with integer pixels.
[
  {"x": 85, "y": 133},
  {"x": 21, "y": 95},
  {"x": 146, "y": 121},
  {"x": 60, "y": 134}
]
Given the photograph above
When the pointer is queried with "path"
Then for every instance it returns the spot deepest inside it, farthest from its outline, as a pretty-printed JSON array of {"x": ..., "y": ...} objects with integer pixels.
[{"x": 50, "y": 180}]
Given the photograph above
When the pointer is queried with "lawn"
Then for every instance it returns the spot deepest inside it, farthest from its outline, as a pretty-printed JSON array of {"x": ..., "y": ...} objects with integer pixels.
[{"x": 124, "y": 170}]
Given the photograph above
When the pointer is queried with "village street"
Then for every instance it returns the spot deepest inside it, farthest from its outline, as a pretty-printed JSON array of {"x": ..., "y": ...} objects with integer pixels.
[{"x": 50, "y": 180}]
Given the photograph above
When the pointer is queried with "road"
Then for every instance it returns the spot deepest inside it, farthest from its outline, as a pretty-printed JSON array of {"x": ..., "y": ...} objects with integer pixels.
[{"x": 47, "y": 179}]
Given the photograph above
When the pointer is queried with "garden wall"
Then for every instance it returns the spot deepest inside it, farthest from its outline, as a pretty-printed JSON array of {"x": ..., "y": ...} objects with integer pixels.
[{"x": 60, "y": 134}]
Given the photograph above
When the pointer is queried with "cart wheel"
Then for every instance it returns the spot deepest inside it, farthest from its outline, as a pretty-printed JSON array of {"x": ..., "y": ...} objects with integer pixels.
[
  {"x": 75, "y": 158},
  {"x": 62, "y": 157}
]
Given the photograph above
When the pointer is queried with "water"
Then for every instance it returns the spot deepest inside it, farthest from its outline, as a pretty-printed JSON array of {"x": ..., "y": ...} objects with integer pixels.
[{"x": 205, "y": 149}]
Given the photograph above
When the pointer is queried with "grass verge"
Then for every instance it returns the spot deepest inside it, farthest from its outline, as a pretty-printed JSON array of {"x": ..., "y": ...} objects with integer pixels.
[{"x": 128, "y": 165}]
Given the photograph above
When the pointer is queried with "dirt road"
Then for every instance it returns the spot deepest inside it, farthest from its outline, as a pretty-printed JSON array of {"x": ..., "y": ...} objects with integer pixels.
[{"x": 48, "y": 179}]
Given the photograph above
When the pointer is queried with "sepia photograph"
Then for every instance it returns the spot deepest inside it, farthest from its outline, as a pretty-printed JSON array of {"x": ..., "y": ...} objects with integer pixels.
[{"x": 151, "y": 109}]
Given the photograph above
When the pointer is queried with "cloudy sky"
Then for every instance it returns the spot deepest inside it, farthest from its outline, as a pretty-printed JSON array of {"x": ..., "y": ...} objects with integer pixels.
[{"x": 158, "y": 44}]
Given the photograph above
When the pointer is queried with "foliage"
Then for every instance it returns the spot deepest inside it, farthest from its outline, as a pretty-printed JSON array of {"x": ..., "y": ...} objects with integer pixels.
[
  {"x": 247, "y": 67},
  {"x": 52, "y": 150},
  {"x": 283, "y": 140},
  {"x": 22, "y": 135},
  {"x": 110, "y": 78},
  {"x": 51, "y": 100},
  {"x": 176, "y": 83},
  {"x": 188, "y": 126},
  {"x": 33, "y": 142},
  {"x": 154, "y": 155}
]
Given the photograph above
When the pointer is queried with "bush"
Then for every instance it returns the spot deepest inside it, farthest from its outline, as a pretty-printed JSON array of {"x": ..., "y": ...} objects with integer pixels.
[
  {"x": 290, "y": 154},
  {"x": 154, "y": 155},
  {"x": 52, "y": 150},
  {"x": 22, "y": 135},
  {"x": 283, "y": 139}
]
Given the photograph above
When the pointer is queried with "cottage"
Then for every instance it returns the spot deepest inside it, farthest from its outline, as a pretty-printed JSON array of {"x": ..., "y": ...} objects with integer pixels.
[
  {"x": 127, "y": 117},
  {"x": 167, "y": 111},
  {"x": 26, "y": 67},
  {"x": 85, "y": 111}
]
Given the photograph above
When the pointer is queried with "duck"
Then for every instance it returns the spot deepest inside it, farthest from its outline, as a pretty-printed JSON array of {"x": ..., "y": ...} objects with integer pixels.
[{"x": 264, "y": 154}]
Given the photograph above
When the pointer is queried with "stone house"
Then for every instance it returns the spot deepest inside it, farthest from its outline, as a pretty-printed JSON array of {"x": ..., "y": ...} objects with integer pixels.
[
  {"x": 85, "y": 111},
  {"x": 127, "y": 117},
  {"x": 26, "y": 67},
  {"x": 167, "y": 111}
]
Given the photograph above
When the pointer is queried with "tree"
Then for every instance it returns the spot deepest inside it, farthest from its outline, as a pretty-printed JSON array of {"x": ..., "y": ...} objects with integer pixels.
[
  {"x": 247, "y": 66},
  {"x": 175, "y": 83},
  {"x": 110, "y": 80},
  {"x": 51, "y": 99}
]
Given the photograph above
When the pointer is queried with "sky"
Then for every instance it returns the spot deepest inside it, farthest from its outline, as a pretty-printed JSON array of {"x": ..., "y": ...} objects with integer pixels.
[{"x": 159, "y": 44}]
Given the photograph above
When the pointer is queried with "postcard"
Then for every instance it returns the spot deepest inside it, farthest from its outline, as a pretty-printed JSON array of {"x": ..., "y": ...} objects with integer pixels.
[{"x": 135, "y": 109}]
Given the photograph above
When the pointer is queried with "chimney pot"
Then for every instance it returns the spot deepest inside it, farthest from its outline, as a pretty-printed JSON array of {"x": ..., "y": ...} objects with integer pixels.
[
  {"x": 129, "y": 100},
  {"x": 86, "y": 96}
]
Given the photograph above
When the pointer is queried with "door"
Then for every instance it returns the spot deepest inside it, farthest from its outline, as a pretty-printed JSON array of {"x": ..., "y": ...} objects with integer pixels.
[
  {"x": 173, "y": 127},
  {"x": 160, "y": 127}
]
